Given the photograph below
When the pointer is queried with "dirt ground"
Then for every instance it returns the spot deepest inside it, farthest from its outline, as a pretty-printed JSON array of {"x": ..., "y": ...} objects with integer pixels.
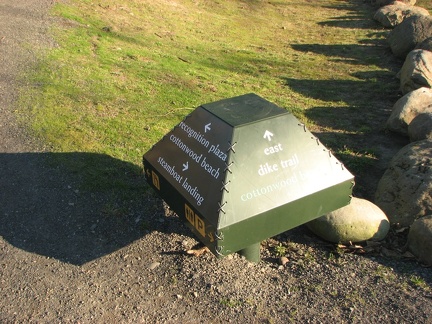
[{"x": 65, "y": 258}]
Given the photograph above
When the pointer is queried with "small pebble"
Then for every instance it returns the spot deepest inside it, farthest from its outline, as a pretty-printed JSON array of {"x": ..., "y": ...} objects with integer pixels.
[
  {"x": 283, "y": 260},
  {"x": 154, "y": 265}
]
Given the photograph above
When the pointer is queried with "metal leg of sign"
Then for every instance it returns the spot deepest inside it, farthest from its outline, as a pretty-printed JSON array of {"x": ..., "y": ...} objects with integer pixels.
[{"x": 252, "y": 252}]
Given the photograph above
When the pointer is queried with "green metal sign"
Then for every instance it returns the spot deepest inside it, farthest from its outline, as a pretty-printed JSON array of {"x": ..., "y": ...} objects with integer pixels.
[{"x": 241, "y": 170}]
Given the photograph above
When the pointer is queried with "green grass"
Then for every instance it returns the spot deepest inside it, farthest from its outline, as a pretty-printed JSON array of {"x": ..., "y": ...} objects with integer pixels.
[
  {"x": 358, "y": 161},
  {"x": 419, "y": 282},
  {"x": 280, "y": 250},
  {"x": 125, "y": 72},
  {"x": 231, "y": 303}
]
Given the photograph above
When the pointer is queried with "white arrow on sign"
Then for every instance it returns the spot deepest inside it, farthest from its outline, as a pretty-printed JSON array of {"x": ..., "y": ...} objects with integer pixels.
[
  {"x": 186, "y": 166},
  {"x": 207, "y": 127},
  {"x": 268, "y": 135}
]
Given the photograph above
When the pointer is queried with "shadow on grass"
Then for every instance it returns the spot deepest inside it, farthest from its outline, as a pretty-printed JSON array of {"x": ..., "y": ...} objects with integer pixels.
[
  {"x": 359, "y": 15},
  {"x": 367, "y": 53},
  {"x": 355, "y": 20},
  {"x": 75, "y": 207},
  {"x": 367, "y": 90}
]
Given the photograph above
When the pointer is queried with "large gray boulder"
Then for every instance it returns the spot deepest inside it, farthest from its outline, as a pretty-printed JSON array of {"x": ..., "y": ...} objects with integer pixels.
[
  {"x": 416, "y": 71},
  {"x": 407, "y": 108},
  {"x": 420, "y": 239},
  {"x": 404, "y": 191},
  {"x": 359, "y": 221},
  {"x": 380, "y": 3},
  {"x": 420, "y": 127},
  {"x": 392, "y": 15},
  {"x": 425, "y": 45},
  {"x": 410, "y": 32}
]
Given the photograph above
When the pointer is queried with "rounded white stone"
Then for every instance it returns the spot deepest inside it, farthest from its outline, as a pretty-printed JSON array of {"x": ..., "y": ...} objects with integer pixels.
[{"x": 359, "y": 221}]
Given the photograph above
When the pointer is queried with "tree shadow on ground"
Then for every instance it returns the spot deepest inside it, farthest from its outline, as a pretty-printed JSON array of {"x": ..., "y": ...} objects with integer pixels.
[
  {"x": 370, "y": 52},
  {"x": 75, "y": 207},
  {"x": 359, "y": 15},
  {"x": 353, "y": 20},
  {"x": 374, "y": 93}
]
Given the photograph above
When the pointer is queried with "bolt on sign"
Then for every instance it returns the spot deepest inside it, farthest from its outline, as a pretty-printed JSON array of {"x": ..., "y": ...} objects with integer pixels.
[{"x": 241, "y": 170}]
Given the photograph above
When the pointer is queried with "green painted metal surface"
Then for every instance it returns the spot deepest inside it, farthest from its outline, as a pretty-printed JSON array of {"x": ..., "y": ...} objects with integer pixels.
[{"x": 241, "y": 170}]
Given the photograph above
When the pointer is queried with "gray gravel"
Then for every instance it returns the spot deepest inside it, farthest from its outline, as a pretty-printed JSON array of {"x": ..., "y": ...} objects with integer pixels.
[{"x": 71, "y": 255}]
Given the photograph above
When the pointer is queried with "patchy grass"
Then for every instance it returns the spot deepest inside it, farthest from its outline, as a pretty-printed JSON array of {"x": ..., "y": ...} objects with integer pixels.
[
  {"x": 125, "y": 72},
  {"x": 358, "y": 161},
  {"x": 419, "y": 282},
  {"x": 230, "y": 302}
]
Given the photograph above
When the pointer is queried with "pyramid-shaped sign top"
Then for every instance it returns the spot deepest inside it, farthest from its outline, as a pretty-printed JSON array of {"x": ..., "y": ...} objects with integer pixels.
[{"x": 241, "y": 170}]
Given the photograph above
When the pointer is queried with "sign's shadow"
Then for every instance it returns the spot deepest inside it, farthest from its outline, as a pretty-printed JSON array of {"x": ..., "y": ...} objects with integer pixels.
[{"x": 74, "y": 207}]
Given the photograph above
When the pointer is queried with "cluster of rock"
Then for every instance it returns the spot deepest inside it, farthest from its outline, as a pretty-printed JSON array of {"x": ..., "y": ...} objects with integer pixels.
[{"x": 404, "y": 193}]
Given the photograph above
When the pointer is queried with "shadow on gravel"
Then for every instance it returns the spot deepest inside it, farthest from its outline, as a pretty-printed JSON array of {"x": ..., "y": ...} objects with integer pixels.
[{"x": 74, "y": 207}]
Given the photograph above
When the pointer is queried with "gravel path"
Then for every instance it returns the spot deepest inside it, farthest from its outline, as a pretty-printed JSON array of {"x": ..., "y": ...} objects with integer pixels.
[
  {"x": 23, "y": 32},
  {"x": 67, "y": 257}
]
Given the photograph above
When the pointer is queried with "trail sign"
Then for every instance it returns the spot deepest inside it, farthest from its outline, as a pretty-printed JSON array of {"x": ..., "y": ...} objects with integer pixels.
[{"x": 241, "y": 170}]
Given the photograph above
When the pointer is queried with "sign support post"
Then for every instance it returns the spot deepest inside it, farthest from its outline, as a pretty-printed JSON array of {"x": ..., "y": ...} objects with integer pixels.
[{"x": 252, "y": 252}]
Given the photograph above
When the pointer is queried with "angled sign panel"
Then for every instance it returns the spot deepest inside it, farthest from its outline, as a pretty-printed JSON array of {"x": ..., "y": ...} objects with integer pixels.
[{"x": 241, "y": 170}]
